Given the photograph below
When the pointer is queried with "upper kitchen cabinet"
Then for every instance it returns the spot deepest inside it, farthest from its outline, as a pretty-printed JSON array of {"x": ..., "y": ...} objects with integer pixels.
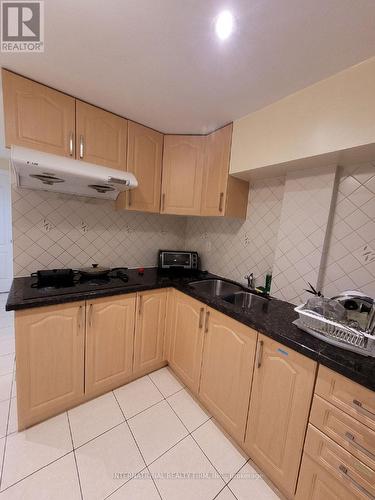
[
  {"x": 144, "y": 160},
  {"x": 222, "y": 194},
  {"x": 101, "y": 136},
  {"x": 183, "y": 163},
  {"x": 37, "y": 116}
]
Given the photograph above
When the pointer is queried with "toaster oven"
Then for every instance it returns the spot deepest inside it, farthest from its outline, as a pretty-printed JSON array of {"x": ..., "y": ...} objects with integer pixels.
[{"x": 176, "y": 259}]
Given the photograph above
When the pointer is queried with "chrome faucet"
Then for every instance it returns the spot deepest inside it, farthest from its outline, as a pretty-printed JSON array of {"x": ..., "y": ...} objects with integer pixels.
[{"x": 250, "y": 280}]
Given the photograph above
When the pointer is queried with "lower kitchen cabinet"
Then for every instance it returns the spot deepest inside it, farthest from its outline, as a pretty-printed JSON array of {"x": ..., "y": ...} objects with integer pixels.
[
  {"x": 328, "y": 471},
  {"x": 186, "y": 339},
  {"x": 50, "y": 360},
  {"x": 227, "y": 371},
  {"x": 279, "y": 408},
  {"x": 149, "y": 332},
  {"x": 109, "y": 342}
]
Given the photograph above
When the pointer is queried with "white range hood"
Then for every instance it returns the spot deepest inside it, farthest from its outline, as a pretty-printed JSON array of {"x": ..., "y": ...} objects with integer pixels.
[{"x": 37, "y": 170}]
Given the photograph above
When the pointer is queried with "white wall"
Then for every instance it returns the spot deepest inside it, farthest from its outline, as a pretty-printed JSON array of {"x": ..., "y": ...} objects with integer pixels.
[{"x": 332, "y": 115}]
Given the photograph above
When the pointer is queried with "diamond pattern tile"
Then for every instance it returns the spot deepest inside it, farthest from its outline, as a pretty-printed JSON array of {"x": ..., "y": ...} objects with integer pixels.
[
  {"x": 234, "y": 248},
  {"x": 302, "y": 231},
  {"x": 52, "y": 230},
  {"x": 350, "y": 262}
]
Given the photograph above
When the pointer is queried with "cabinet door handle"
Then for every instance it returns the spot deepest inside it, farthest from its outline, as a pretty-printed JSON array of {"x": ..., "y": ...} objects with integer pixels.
[
  {"x": 260, "y": 353},
  {"x": 201, "y": 313},
  {"x": 81, "y": 147},
  {"x": 359, "y": 406},
  {"x": 351, "y": 438},
  {"x": 162, "y": 202},
  {"x": 71, "y": 143},
  {"x": 129, "y": 198},
  {"x": 140, "y": 305},
  {"x": 221, "y": 202},
  {"x": 206, "y": 322},
  {"x": 80, "y": 319},
  {"x": 345, "y": 472},
  {"x": 90, "y": 314}
]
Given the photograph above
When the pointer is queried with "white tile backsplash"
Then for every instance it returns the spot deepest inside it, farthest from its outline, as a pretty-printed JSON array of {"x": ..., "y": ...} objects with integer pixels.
[
  {"x": 350, "y": 260},
  {"x": 55, "y": 230},
  {"x": 233, "y": 248},
  {"x": 302, "y": 231}
]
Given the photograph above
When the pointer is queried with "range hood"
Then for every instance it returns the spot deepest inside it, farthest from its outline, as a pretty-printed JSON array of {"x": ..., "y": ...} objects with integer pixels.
[{"x": 37, "y": 170}]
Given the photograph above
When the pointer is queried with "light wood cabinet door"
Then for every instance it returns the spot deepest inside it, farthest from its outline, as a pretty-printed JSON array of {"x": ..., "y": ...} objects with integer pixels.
[
  {"x": 149, "y": 332},
  {"x": 37, "y": 116},
  {"x": 279, "y": 408},
  {"x": 216, "y": 171},
  {"x": 144, "y": 160},
  {"x": 227, "y": 371},
  {"x": 187, "y": 339},
  {"x": 109, "y": 342},
  {"x": 101, "y": 136},
  {"x": 183, "y": 159},
  {"x": 50, "y": 360}
]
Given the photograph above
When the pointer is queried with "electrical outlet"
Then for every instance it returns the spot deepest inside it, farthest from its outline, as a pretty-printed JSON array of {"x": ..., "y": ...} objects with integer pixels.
[{"x": 208, "y": 246}]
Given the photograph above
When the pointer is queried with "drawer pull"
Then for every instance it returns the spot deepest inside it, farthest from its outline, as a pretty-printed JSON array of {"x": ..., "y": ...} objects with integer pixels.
[
  {"x": 344, "y": 471},
  {"x": 359, "y": 447},
  {"x": 90, "y": 315},
  {"x": 359, "y": 406}
]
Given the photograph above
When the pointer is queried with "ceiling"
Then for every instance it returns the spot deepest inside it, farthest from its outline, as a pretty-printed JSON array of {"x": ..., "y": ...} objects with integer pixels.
[{"x": 160, "y": 63}]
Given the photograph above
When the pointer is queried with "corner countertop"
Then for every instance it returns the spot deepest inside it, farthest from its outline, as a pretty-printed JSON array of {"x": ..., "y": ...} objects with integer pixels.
[{"x": 273, "y": 318}]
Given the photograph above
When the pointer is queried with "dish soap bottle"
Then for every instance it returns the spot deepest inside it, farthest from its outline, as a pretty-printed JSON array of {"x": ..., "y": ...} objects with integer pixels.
[{"x": 267, "y": 286}]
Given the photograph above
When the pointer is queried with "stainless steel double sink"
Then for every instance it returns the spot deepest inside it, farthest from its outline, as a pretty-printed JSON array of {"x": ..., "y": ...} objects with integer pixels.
[{"x": 230, "y": 292}]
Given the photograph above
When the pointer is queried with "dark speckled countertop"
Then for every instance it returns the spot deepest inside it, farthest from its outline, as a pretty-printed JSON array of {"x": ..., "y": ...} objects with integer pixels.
[{"x": 273, "y": 318}]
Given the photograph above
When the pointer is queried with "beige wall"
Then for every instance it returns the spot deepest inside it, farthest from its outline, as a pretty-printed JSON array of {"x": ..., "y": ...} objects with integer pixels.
[{"x": 332, "y": 115}]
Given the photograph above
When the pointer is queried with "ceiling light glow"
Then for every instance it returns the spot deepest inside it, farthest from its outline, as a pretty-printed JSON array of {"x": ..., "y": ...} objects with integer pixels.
[{"x": 224, "y": 24}]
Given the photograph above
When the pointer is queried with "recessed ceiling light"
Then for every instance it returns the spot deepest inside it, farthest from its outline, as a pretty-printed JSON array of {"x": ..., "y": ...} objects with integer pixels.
[{"x": 224, "y": 24}]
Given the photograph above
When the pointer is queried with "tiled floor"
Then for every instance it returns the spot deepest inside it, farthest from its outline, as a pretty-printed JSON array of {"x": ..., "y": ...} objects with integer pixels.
[{"x": 148, "y": 440}]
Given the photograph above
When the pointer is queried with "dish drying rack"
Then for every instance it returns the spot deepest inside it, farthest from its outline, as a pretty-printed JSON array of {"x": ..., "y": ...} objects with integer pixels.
[{"x": 335, "y": 333}]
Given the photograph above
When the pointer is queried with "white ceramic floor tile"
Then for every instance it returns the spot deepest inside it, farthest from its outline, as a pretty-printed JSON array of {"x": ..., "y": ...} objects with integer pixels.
[
  {"x": 188, "y": 410},
  {"x": 184, "y": 473},
  {"x": 12, "y": 421},
  {"x": 139, "y": 488},
  {"x": 5, "y": 386},
  {"x": 7, "y": 346},
  {"x": 165, "y": 381},
  {"x": 57, "y": 481},
  {"x": 6, "y": 364},
  {"x": 114, "y": 452},
  {"x": 248, "y": 485},
  {"x": 93, "y": 418},
  {"x": 4, "y": 412},
  {"x": 29, "y": 450},
  {"x": 137, "y": 396},
  {"x": 226, "y": 494},
  {"x": 156, "y": 430},
  {"x": 225, "y": 455}
]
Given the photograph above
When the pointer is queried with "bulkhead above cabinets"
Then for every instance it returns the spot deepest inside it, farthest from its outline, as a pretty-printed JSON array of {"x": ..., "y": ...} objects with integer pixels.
[{"x": 177, "y": 174}]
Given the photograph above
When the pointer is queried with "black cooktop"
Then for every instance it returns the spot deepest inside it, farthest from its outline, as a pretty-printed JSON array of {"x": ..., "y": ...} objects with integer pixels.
[{"x": 116, "y": 278}]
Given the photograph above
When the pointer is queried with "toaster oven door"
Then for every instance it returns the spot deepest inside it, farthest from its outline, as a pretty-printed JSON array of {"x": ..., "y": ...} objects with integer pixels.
[{"x": 181, "y": 260}]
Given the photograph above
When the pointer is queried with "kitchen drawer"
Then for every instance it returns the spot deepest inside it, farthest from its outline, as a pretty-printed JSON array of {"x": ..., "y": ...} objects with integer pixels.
[
  {"x": 350, "y": 397},
  {"x": 316, "y": 483},
  {"x": 352, "y": 473},
  {"x": 344, "y": 430}
]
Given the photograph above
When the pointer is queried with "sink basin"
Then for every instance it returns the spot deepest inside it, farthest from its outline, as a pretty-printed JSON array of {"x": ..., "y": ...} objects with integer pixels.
[
  {"x": 215, "y": 287},
  {"x": 246, "y": 299}
]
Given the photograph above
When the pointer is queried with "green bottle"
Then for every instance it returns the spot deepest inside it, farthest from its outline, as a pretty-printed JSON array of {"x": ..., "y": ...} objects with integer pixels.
[{"x": 267, "y": 286}]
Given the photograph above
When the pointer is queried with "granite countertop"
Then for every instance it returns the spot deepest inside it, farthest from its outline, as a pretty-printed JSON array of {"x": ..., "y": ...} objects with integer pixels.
[{"x": 272, "y": 318}]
